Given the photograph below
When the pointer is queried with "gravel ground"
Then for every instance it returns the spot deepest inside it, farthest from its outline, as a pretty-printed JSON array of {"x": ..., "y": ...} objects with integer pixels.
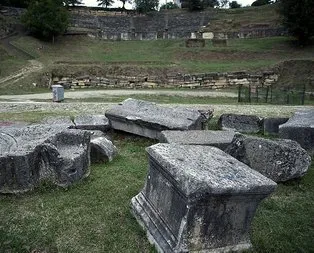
[{"x": 93, "y": 108}]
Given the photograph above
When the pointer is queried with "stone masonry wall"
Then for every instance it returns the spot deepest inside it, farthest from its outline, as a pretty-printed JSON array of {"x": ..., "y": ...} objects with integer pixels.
[{"x": 204, "y": 80}]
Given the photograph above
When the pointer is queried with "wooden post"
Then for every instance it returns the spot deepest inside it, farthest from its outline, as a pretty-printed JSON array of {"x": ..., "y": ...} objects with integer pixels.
[{"x": 239, "y": 93}]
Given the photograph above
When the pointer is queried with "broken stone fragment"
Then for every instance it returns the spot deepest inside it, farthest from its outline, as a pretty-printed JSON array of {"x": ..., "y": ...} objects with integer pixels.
[
  {"x": 37, "y": 153},
  {"x": 300, "y": 128},
  {"x": 149, "y": 119},
  {"x": 279, "y": 160},
  {"x": 102, "y": 150},
  {"x": 240, "y": 123},
  {"x": 58, "y": 120},
  {"x": 198, "y": 199},
  {"x": 92, "y": 122},
  {"x": 219, "y": 139}
]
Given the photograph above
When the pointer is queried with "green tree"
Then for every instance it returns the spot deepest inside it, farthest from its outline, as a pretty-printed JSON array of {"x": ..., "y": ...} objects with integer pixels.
[
  {"x": 16, "y": 3},
  {"x": 210, "y": 3},
  {"x": 169, "y": 6},
  {"x": 124, "y": 2},
  {"x": 234, "y": 5},
  {"x": 72, "y": 2},
  {"x": 195, "y": 5},
  {"x": 144, "y": 6},
  {"x": 46, "y": 18},
  {"x": 298, "y": 18},
  {"x": 105, "y": 3},
  {"x": 261, "y": 2},
  {"x": 223, "y": 3}
]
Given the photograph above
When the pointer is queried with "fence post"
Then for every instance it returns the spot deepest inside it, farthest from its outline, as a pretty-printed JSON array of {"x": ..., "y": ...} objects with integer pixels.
[
  {"x": 303, "y": 95},
  {"x": 288, "y": 98},
  {"x": 256, "y": 94},
  {"x": 239, "y": 93},
  {"x": 249, "y": 93},
  {"x": 267, "y": 90}
]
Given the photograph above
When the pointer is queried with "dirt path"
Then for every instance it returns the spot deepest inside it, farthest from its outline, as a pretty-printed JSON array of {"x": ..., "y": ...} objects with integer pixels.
[{"x": 111, "y": 93}]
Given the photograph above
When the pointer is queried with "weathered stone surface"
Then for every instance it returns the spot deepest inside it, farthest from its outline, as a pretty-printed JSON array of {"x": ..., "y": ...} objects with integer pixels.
[
  {"x": 92, "y": 122},
  {"x": 240, "y": 123},
  {"x": 58, "y": 120},
  {"x": 279, "y": 160},
  {"x": 219, "y": 139},
  {"x": 149, "y": 119},
  {"x": 271, "y": 125},
  {"x": 102, "y": 150},
  {"x": 38, "y": 153},
  {"x": 206, "y": 116},
  {"x": 300, "y": 127},
  {"x": 198, "y": 199}
]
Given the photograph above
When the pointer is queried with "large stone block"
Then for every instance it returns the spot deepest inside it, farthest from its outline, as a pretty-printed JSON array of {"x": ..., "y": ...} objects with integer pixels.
[
  {"x": 219, "y": 139},
  {"x": 279, "y": 160},
  {"x": 148, "y": 119},
  {"x": 198, "y": 199},
  {"x": 39, "y": 153},
  {"x": 300, "y": 127},
  {"x": 271, "y": 125},
  {"x": 240, "y": 123},
  {"x": 92, "y": 122}
]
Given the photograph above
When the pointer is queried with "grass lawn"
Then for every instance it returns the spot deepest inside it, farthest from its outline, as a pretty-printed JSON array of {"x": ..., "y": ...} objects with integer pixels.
[{"x": 94, "y": 215}]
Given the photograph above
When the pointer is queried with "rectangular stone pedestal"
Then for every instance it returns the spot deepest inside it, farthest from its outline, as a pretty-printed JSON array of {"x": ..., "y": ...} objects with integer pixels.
[{"x": 198, "y": 199}]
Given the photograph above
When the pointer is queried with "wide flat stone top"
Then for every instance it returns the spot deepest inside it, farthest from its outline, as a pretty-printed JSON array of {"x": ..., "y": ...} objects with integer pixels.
[
  {"x": 91, "y": 120},
  {"x": 146, "y": 112},
  {"x": 199, "y": 170},
  {"x": 303, "y": 118},
  {"x": 21, "y": 140},
  {"x": 197, "y": 137}
]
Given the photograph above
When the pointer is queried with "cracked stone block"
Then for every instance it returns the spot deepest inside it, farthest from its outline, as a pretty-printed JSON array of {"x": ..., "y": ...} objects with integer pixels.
[
  {"x": 92, "y": 122},
  {"x": 241, "y": 123},
  {"x": 149, "y": 119},
  {"x": 279, "y": 160},
  {"x": 198, "y": 199},
  {"x": 37, "y": 153},
  {"x": 300, "y": 128},
  {"x": 219, "y": 139}
]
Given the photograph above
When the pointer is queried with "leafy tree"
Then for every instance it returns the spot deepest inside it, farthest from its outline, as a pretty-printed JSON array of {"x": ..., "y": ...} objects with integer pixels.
[
  {"x": 144, "y": 6},
  {"x": 224, "y": 3},
  {"x": 261, "y": 2},
  {"x": 105, "y": 3},
  {"x": 234, "y": 5},
  {"x": 169, "y": 6},
  {"x": 298, "y": 18},
  {"x": 195, "y": 5},
  {"x": 210, "y": 3},
  {"x": 124, "y": 2},
  {"x": 72, "y": 2},
  {"x": 16, "y": 3},
  {"x": 46, "y": 18}
]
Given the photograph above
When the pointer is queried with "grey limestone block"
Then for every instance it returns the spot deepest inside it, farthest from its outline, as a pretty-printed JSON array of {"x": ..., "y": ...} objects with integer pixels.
[
  {"x": 92, "y": 122},
  {"x": 271, "y": 125},
  {"x": 219, "y": 139},
  {"x": 300, "y": 128},
  {"x": 149, "y": 119},
  {"x": 37, "y": 153},
  {"x": 279, "y": 160},
  {"x": 198, "y": 199},
  {"x": 241, "y": 123},
  {"x": 102, "y": 150}
]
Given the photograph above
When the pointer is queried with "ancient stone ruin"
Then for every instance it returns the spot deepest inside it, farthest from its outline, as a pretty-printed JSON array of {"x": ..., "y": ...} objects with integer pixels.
[
  {"x": 198, "y": 199},
  {"x": 33, "y": 154},
  {"x": 300, "y": 127},
  {"x": 279, "y": 160},
  {"x": 240, "y": 123},
  {"x": 219, "y": 139},
  {"x": 149, "y": 119}
]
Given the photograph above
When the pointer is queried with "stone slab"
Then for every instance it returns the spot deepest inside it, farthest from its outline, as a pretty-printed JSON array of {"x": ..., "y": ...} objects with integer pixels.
[
  {"x": 58, "y": 120},
  {"x": 149, "y": 119},
  {"x": 37, "y": 153},
  {"x": 102, "y": 150},
  {"x": 92, "y": 122},
  {"x": 271, "y": 125},
  {"x": 219, "y": 139},
  {"x": 240, "y": 123},
  {"x": 198, "y": 199},
  {"x": 300, "y": 128},
  {"x": 280, "y": 160}
]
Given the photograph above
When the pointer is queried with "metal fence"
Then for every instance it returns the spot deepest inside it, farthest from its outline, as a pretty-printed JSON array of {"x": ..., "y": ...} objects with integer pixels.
[{"x": 271, "y": 95}]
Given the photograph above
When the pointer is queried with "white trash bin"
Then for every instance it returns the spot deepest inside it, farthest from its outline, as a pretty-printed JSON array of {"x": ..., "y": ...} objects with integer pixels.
[{"x": 57, "y": 93}]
